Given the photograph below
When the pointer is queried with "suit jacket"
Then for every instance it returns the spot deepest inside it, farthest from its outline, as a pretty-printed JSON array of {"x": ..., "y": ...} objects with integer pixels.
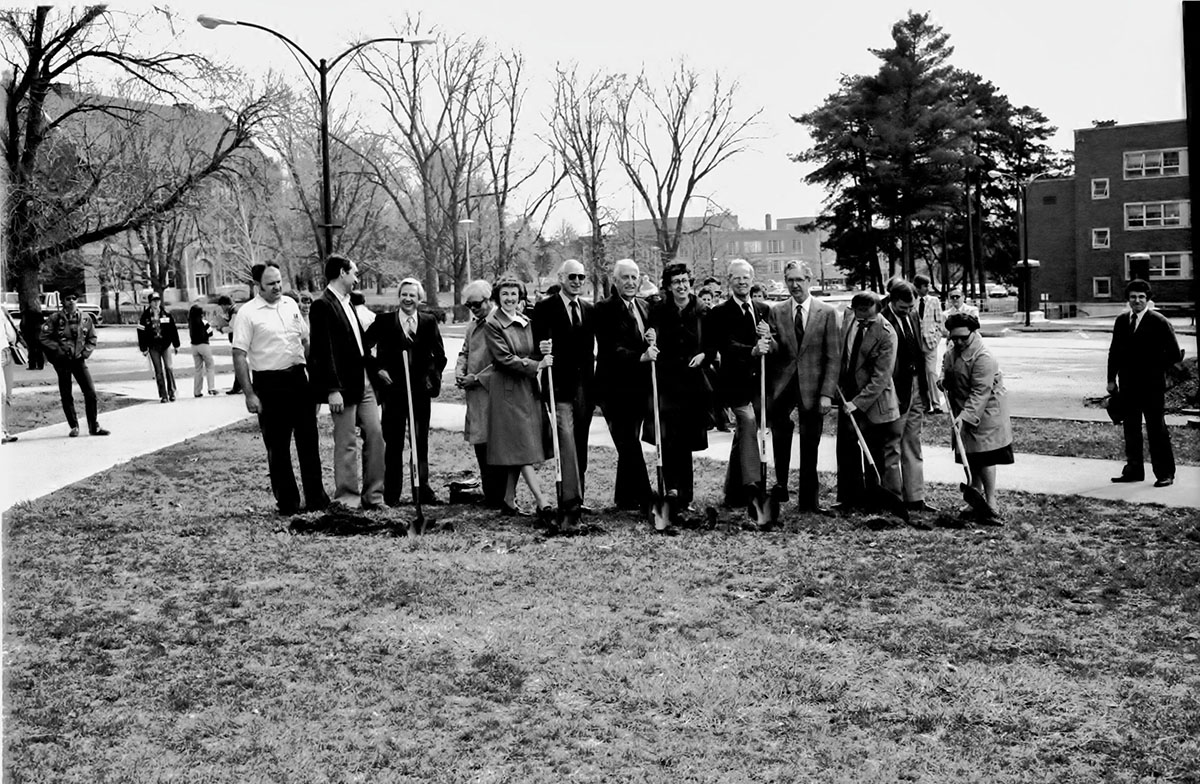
[
  {"x": 334, "y": 362},
  {"x": 622, "y": 379},
  {"x": 427, "y": 357},
  {"x": 574, "y": 349},
  {"x": 1140, "y": 359},
  {"x": 910, "y": 357},
  {"x": 729, "y": 333},
  {"x": 869, "y": 374},
  {"x": 814, "y": 364},
  {"x": 933, "y": 323}
]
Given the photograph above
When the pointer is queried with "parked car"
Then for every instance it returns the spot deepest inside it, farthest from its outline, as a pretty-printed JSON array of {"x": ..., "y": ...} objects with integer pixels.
[
  {"x": 997, "y": 291},
  {"x": 50, "y": 302}
]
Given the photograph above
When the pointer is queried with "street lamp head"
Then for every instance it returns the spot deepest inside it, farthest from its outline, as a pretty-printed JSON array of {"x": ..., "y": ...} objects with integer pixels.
[
  {"x": 420, "y": 41},
  {"x": 212, "y": 22},
  {"x": 466, "y": 222}
]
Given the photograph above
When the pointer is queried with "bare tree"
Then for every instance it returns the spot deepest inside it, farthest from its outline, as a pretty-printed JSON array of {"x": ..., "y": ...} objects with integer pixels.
[
  {"x": 61, "y": 148},
  {"x": 668, "y": 139},
  {"x": 580, "y": 136}
]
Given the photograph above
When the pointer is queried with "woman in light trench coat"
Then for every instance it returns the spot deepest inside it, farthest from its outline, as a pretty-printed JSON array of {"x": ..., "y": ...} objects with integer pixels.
[{"x": 975, "y": 389}]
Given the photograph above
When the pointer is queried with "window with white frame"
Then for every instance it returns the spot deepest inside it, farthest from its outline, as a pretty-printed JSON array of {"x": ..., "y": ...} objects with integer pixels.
[
  {"x": 1172, "y": 265},
  {"x": 798, "y": 246},
  {"x": 1102, "y": 288},
  {"x": 1100, "y": 188},
  {"x": 751, "y": 246},
  {"x": 1100, "y": 239},
  {"x": 1155, "y": 163},
  {"x": 1157, "y": 215},
  {"x": 774, "y": 246},
  {"x": 775, "y": 266}
]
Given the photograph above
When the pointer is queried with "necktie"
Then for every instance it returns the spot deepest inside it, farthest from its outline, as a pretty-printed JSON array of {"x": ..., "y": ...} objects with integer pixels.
[
  {"x": 410, "y": 328},
  {"x": 799, "y": 325},
  {"x": 637, "y": 318},
  {"x": 857, "y": 345},
  {"x": 1132, "y": 322},
  {"x": 921, "y": 310},
  {"x": 746, "y": 310},
  {"x": 574, "y": 314}
]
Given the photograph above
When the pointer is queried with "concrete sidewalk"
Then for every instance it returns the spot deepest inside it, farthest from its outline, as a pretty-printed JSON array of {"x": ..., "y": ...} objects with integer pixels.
[{"x": 45, "y": 460}]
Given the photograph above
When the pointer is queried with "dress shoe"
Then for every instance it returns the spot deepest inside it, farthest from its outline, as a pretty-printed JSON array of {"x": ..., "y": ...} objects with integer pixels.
[
  {"x": 512, "y": 510},
  {"x": 162, "y": 400},
  {"x": 922, "y": 506},
  {"x": 428, "y": 497},
  {"x": 171, "y": 398},
  {"x": 669, "y": 530},
  {"x": 74, "y": 432},
  {"x": 585, "y": 509},
  {"x": 8, "y": 439},
  {"x": 814, "y": 509},
  {"x": 844, "y": 508},
  {"x": 213, "y": 392},
  {"x": 198, "y": 394},
  {"x": 98, "y": 431},
  {"x": 1164, "y": 482},
  {"x": 1128, "y": 478}
]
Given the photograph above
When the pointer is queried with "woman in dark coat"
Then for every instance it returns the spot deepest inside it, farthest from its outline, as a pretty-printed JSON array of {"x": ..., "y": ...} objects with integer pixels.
[
  {"x": 159, "y": 339},
  {"x": 200, "y": 333},
  {"x": 683, "y": 401},
  {"x": 515, "y": 434}
]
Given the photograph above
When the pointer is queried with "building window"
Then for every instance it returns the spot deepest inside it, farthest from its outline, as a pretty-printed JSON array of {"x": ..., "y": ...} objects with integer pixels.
[
  {"x": 774, "y": 246},
  {"x": 1155, "y": 163},
  {"x": 1100, "y": 188},
  {"x": 751, "y": 246},
  {"x": 1167, "y": 266},
  {"x": 775, "y": 267},
  {"x": 797, "y": 246},
  {"x": 1157, "y": 215},
  {"x": 1100, "y": 239},
  {"x": 1101, "y": 288}
]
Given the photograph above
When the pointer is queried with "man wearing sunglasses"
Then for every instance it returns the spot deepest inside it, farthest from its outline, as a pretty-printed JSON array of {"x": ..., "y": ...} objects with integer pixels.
[
  {"x": 563, "y": 327},
  {"x": 68, "y": 338}
]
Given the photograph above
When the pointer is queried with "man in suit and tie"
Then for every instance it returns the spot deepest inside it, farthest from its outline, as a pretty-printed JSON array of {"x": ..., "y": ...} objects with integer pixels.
[
  {"x": 623, "y": 356},
  {"x": 806, "y": 353},
  {"x": 390, "y": 336},
  {"x": 564, "y": 326},
  {"x": 737, "y": 330},
  {"x": 933, "y": 329},
  {"x": 339, "y": 367},
  {"x": 912, "y": 391},
  {"x": 1143, "y": 348},
  {"x": 870, "y": 395}
]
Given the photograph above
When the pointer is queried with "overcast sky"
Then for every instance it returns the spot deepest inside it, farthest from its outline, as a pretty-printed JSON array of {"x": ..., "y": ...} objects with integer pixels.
[{"x": 1076, "y": 61}]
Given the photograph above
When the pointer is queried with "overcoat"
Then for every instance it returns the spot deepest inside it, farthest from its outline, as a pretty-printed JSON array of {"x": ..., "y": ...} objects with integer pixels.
[
  {"x": 475, "y": 359},
  {"x": 514, "y": 412},
  {"x": 975, "y": 388}
]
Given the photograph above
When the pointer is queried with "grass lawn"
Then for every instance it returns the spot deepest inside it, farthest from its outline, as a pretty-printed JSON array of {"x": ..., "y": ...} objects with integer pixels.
[
  {"x": 32, "y": 410},
  {"x": 163, "y": 626}
]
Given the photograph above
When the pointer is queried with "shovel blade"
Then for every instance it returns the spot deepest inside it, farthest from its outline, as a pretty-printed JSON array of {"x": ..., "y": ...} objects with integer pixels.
[
  {"x": 975, "y": 498},
  {"x": 660, "y": 513}
]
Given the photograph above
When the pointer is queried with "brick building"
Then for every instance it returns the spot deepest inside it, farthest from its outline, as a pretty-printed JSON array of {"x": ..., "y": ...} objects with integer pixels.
[{"x": 1129, "y": 196}]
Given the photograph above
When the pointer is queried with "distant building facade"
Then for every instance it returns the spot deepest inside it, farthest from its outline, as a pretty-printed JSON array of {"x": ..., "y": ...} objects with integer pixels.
[
  {"x": 1129, "y": 199},
  {"x": 709, "y": 244}
]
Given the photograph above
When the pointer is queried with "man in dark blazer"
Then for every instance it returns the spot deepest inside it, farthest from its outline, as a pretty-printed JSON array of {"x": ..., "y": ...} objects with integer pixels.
[
  {"x": 339, "y": 367},
  {"x": 870, "y": 397},
  {"x": 389, "y": 336},
  {"x": 1143, "y": 348},
  {"x": 806, "y": 354},
  {"x": 912, "y": 390},
  {"x": 623, "y": 357},
  {"x": 737, "y": 330},
  {"x": 564, "y": 326}
]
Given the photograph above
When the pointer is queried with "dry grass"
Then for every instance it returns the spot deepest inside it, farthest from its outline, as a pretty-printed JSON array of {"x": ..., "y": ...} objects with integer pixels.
[
  {"x": 163, "y": 627},
  {"x": 32, "y": 410}
]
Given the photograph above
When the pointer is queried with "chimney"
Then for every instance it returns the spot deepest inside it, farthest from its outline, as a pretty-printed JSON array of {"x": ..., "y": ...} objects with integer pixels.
[{"x": 768, "y": 221}]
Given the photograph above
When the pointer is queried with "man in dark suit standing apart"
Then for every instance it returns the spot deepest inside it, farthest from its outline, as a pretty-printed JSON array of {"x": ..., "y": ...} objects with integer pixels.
[
  {"x": 806, "y": 354},
  {"x": 623, "y": 358},
  {"x": 866, "y": 382},
  {"x": 339, "y": 365},
  {"x": 390, "y": 336},
  {"x": 912, "y": 390},
  {"x": 737, "y": 330},
  {"x": 1143, "y": 348},
  {"x": 563, "y": 325}
]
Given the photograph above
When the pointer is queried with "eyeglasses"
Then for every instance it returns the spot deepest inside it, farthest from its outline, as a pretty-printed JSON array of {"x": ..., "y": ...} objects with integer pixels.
[
  {"x": 576, "y": 276},
  {"x": 305, "y": 300},
  {"x": 960, "y": 338},
  {"x": 472, "y": 304}
]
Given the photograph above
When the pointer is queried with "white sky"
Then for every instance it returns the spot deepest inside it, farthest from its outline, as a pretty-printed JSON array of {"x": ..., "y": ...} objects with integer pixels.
[{"x": 1077, "y": 61}]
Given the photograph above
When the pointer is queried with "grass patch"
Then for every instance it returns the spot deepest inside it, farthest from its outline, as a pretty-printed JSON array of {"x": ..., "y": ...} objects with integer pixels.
[
  {"x": 182, "y": 635},
  {"x": 31, "y": 410}
]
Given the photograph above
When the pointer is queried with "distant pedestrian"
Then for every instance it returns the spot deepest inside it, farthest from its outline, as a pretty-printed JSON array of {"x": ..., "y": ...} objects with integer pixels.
[
  {"x": 1143, "y": 349},
  {"x": 933, "y": 329},
  {"x": 956, "y": 304},
  {"x": 975, "y": 391},
  {"x": 68, "y": 338},
  {"x": 200, "y": 332},
  {"x": 10, "y": 356},
  {"x": 159, "y": 339},
  {"x": 268, "y": 360}
]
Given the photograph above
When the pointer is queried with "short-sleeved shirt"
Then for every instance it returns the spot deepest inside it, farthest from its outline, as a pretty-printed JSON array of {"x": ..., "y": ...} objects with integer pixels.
[{"x": 272, "y": 335}]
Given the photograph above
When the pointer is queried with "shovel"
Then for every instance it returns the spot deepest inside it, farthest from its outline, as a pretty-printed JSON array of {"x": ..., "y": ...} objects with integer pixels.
[
  {"x": 764, "y": 519},
  {"x": 418, "y": 525},
  {"x": 660, "y": 510},
  {"x": 559, "y": 514},
  {"x": 969, "y": 493},
  {"x": 881, "y": 495}
]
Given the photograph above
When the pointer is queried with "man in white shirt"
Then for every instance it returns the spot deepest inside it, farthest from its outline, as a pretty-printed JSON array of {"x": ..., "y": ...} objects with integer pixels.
[
  {"x": 268, "y": 359},
  {"x": 340, "y": 365},
  {"x": 933, "y": 330}
]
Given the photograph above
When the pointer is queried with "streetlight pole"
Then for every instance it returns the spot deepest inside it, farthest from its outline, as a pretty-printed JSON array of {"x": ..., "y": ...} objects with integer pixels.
[
  {"x": 1023, "y": 229},
  {"x": 467, "y": 222},
  {"x": 322, "y": 67}
]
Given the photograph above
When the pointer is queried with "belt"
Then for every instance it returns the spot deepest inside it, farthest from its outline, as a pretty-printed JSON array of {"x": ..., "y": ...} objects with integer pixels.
[{"x": 292, "y": 369}]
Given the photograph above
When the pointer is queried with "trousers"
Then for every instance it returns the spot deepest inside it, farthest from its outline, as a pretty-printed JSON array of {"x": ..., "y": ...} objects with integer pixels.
[
  {"x": 287, "y": 413},
  {"x": 77, "y": 368}
]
